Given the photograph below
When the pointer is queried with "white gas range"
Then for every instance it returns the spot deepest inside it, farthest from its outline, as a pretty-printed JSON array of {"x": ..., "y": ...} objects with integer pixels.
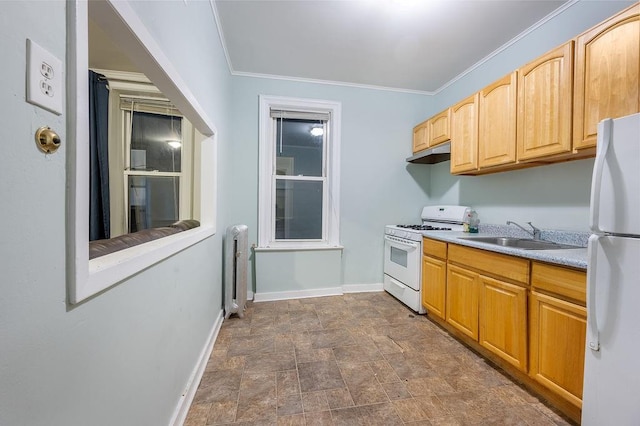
[{"x": 403, "y": 251}]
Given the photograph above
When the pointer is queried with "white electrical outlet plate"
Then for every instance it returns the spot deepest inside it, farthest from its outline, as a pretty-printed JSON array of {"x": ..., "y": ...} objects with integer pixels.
[{"x": 44, "y": 78}]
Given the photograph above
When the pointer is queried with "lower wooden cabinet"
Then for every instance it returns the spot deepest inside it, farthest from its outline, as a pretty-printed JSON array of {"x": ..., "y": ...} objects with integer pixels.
[
  {"x": 434, "y": 284},
  {"x": 527, "y": 316},
  {"x": 503, "y": 320},
  {"x": 462, "y": 300},
  {"x": 557, "y": 345}
]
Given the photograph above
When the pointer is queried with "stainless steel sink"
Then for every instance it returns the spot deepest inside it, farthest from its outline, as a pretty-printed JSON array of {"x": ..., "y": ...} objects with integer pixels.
[{"x": 521, "y": 243}]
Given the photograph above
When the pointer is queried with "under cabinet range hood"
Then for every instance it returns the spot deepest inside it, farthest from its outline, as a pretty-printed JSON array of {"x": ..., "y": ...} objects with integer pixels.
[{"x": 434, "y": 155}]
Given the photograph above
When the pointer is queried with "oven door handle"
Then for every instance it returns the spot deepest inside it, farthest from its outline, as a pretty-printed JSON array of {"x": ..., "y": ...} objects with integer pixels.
[{"x": 395, "y": 241}]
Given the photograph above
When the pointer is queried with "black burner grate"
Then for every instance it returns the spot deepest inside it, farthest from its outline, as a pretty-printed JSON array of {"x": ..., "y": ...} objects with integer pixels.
[{"x": 424, "y": 227}]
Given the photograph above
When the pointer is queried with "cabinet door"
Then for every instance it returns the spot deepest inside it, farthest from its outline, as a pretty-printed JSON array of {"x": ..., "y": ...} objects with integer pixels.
[
  {"x": 439, "y": 128},
  {"x": 421, "y": 137},
  {"x": 497, "y": 137},
  {"x": 503, "y": 320},
  {"x": 462, "y": 300},
  {"x": 607, "y": 74},
  {"x": 557, "y": 344},
  {"x": 464, "y": 135},
  {"x": 545, "y": 105},
  {"x": 434, "y": 281}
]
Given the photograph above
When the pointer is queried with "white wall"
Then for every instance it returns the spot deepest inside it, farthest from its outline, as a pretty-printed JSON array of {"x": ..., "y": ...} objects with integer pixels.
[
  {"x": 377, "y": 186},
  {"x": 123, "y": 357},
  {"x": 555, "y": 196}
]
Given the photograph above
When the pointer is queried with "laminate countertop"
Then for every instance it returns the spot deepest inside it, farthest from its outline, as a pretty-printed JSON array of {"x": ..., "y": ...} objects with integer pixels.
[{"x": 574, "y": 257}]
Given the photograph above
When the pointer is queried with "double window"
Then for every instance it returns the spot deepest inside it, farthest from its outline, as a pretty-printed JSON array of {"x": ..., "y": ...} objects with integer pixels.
[
  {"x": 156, "y": 164},
  {"x": 150, "y": 157},
  {"x": 299, "y": 173}
]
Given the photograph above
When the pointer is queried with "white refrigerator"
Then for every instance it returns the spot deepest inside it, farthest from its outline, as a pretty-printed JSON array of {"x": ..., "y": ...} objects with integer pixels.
[{"x": 611, "y": 393}]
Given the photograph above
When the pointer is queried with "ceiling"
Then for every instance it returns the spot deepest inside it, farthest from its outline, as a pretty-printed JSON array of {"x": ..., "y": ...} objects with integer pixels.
[
  {"x": 407, "y": 45},
  {"x": 412, "y": 45}
]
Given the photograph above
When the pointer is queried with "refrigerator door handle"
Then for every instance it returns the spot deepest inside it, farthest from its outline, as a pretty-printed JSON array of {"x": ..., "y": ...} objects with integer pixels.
[
  {"x": 593, "y": 336},
  {"x": 604, "y": 139}
]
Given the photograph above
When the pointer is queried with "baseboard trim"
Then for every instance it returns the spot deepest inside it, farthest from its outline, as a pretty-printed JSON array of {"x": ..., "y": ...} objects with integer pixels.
[
  {"x": 316, "y": 292},
  {"x": 250, "y": 295},
  {"x": 362, "y": 288},
  {"x": 297, "y": 294},
  {"x": 182, "y": 408}
]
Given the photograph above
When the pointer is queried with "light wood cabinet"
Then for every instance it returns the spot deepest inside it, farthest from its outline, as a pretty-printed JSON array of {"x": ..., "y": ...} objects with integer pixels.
[
  {"x": 434, "y": 282},
  {"x": 500, "y": 300},
  {"x": 439, "y": 127},
  {"x": 497, "y": 125},
  {"x": 434, "y": 276},
  {"x": 545, "y": 105},
  {"x": 421, "y": 137},
  {"x": 569, "y": 284},
  {"x": 527, "y": 316},
  {"x": 462, "y": 300},
  {"x": 503, "y": 320},
  {"x": 557, "y": 345},
  {"x": 464, "y": 135},
  {"x": 607, "y": 74},
  {"x": 557, "y": 318},
  {"x": 510, "y": 268},
  {"x": 548, "y": 110}
]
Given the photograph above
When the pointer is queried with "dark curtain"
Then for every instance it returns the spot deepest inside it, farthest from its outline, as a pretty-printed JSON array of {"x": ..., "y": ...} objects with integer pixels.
[{"x": 99, "y": 217}]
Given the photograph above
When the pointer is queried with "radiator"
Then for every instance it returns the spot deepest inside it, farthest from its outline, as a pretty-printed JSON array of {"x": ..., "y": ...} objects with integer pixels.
[{"x": 236, "y": 256}]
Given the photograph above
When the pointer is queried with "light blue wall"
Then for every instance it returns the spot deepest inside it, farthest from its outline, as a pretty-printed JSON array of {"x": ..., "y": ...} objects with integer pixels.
[
  {"x": 377, "y": 187},
  {"x": 555, "y": 196},
  {"x": 297, "y": 271},
  {"x": 124, "y": 357}
]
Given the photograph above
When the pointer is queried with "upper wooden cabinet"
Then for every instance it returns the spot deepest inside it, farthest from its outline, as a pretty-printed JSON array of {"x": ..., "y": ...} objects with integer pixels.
[
  {"x": 464, "y": 135},
  {"x": 497, "y": 127},
  {"x": 607, "y": 74},
  {"x": 421, "y": 136},
  {"x": 439, "y": 127},
  {"x": 545, "y": 105}
]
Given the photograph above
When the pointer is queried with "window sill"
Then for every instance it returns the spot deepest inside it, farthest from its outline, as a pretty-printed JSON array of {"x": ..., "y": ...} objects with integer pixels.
[
  {"x": 107, "y": 270},
  {"x": 297, "y": 248}
]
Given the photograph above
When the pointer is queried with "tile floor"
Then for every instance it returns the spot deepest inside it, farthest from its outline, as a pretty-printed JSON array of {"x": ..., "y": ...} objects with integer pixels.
[{"x": 357, "y": 359}]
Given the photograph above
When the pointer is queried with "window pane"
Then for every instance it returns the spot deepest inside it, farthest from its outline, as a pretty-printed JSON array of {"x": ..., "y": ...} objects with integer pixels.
[
  {"x": 298, "y": 151},
  {"x": 150, "y": 137},
  {"x": 298, "y": 210},
  {"x": 153, "y": 201}
]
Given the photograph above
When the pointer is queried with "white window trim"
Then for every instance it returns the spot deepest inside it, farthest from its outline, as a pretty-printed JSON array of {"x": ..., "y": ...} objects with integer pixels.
[
  {"x": 90, "y": 277},
  {"x": 266, "y": 159}
]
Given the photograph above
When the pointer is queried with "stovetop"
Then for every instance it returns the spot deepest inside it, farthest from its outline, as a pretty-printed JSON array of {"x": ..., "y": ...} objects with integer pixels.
[
  {"x": 414, "y": 232},
  {"x": 434, "y": 218},
  {"x": 424, "y": 227}
]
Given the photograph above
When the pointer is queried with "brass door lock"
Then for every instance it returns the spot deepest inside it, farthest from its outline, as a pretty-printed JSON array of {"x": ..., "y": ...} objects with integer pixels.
[{"x": 47, "y": 140}]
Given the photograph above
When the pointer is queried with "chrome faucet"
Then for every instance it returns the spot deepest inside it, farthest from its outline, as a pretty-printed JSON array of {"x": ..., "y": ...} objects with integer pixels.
[{"x": 535, "y": 234}]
